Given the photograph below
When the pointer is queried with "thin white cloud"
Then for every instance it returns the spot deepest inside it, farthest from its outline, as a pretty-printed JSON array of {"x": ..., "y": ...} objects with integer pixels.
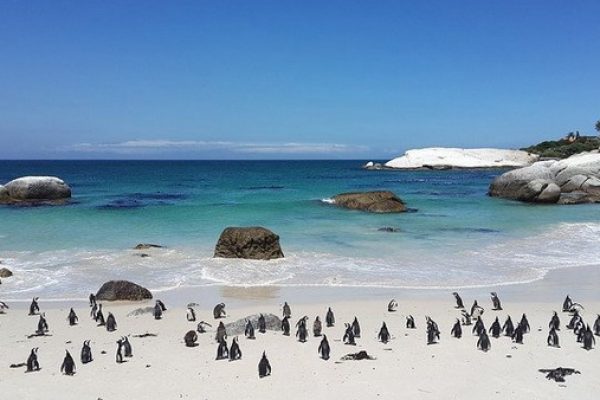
[{"x": 159, "y": 146}]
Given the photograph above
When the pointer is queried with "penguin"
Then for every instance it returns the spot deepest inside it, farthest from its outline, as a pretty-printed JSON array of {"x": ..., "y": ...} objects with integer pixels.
[
  {"x": 42, "y": 327},
  {"x": 317, "y": 327},
  {"x": 219, "y": 311},
  {"x": 478, "y": 328},
  {"x": 287, "y": 311},
  {"x": 553, "y": 338},
  {"x": 127, "y": 347},
  {"x": 201, "y": 328},
  {"x": 3, "y": 306},
  {"x": 384, "y": 334},
  {"x": 329, "y": 318},
  {"x": 249, "y": 331},
  {"x": 525, "y": 324},
  {"x": 497, "y": 306},
  {"x": 94, "y": 311},
  {"x": 32, "y": 361},
  {"x": 496, "y": 329},
  {"x": 285, "y": 326},
  {"x": 111, "y": 323},
  {"x": 234, "y": 352},
  {"x": 508, "y": 328},
  {"x": 517, "y": 335},
  {"x": 262, "y": 324},
  {"x": 264, "y": 367},
  {"x": 349, "y": 335},
  {"x": 476, "y": 310},
  {"x": 221, "y": 332},
  {"x": 410, "y": 322},
  {"x": 72, "y": 318},
  {"x": 356, "y": 327},
  {"x": 302, "y": 331},
  {"x": 433, "y": 331},
  {"x": 597, "y": 326},
  {"x": 190, "y": 339},
  {"x": 162, "y": 306},
  {"x": 588, "y": 339},
  {"x": 484, "y": 343},
  {"x": 580, "y": 331},
  {"x": 554, "y": 322},
  {"x": 92, "y": 299},
  {"x": 567, "y": 304},
  {"x": 575, "y": 319},
  {"x": 222, "y": 350},
  {"x": 68, "y": 365},
  {"x": 86, "y": 352},
  {"x": 100, "y": 316},
  {"x": 34, "y": 307},
  {"x": 324, "y": 348},
  {"x": 459, "y": 302},
  {"x": 392, "y": 305},
  {"x": 191, "y": 315},
  {"x": 158, "y": 310},
  {"x": 466, "y": 318},
  {"x": 456, "y": 329},
  {"x": 119, "y": 356}
]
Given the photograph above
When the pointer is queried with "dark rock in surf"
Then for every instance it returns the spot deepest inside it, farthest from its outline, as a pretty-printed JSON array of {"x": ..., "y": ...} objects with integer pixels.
[
  {"x": 255, "y": 243},
  {"x": 375, "y": 202},
  {"x": 5, "y": 273}
]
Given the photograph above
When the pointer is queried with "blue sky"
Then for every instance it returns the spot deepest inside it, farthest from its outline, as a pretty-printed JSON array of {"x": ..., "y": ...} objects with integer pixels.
[{"x": 292, "y": 79}]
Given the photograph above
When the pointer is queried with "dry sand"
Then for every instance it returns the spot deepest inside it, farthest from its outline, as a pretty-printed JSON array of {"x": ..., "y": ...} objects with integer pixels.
[{"x": 406, "y": 367}]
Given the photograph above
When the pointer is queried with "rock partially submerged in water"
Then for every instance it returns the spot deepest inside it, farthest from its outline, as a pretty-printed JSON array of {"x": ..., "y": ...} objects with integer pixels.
[
  {"x": 573, "y": 180},
  {"x": 376, "y": 202},
  {"x": 441, "y": 158},
  {"x": 34, "y": 190},
  {"x": 255, "y": 243},
  {"x": 147, "y": 246},
  {"x": 122, "y": 290},
  {"x": 238, "y": 327},
  {"x": 5, "y": 273}
]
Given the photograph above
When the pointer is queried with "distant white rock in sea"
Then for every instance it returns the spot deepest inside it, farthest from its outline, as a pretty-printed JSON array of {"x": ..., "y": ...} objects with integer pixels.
[
  {"x": 447, "y": 158},
  {"x": 35, "y": 189}
]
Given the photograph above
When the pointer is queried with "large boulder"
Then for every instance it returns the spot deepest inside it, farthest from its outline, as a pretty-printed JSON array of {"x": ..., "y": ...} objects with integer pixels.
[
  {"x": 272, "y": 323},
  {"x": 122, "y": 290},
  {"x": 5, "y": 273},
  {"x": 377, "y": 202},
  {"x": 440, "y": 158},
  {"x": 35, "y": 189},
  {"x": 573, "y": 180},
  {"x": 255, "y": 242}
]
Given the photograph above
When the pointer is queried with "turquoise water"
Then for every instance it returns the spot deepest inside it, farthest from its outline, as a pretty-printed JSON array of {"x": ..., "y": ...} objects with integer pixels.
[{"x": 455, "y": 235}]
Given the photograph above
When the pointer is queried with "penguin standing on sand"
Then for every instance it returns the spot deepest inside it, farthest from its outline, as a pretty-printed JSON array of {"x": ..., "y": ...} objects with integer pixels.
[
  {"x": 119, "y": 356},
  {"x": 597, "y": 326},
  {"x": 72, "y": 318},
  {"x": 554, "y": 322},
  {"x": 94, "y": 311},
  {"x": 356, "y": 327},
  {"x": 517, "y": 335},
  {"x": 111, "y": 323},
  {"x": 588, "y": 339},
  {"x": 264, "y": 367},
  {"x": 553, "y": 338},
  {"x": 384, "y": 334},
  {"x": 191, "y": 315},
  {"x": 68, "y": 365},
  {"x": 190, "y": 339},
  {"x": 525, "y": 324},
  {"x": 86, "y": 352},
  {"x": 127, "y": 347},
  {"x": 496, "y": 305},
  {"x": 92, "y": 299},
  {"x": 219, "y": 311},
  {"x": 466, "y": 318},
  {"x": 285, "y": 326},
  {"x": 349, "y": 335},
  {"x": 302, "y": 331},
  {"x": 496, "y": 329},
  {"x": 234, "y": 352},
  {"x": 262, "y": 324},
  {"x": 287, "y": 311},
  {"x": 32, "y": 361},
  {"x": 324, "y": 348},
  {"x": 100, "y": 316},
  {"x": 221, "y": 332},
  {"x": 459, "y": 302},
  {"x": 456, "y": 329},
  {"x": 329, "y": 318},
  {"x": 508, "y": 328},
  {"x": 433, "y": 331},
  {"x": 478, "y": 328},
  {"x": 410, "y": 322},
  {"x": 249, "y": 330},
  {"x": 476, "y": 310},
  {"x": 42, "y": 327},
  {"x": 392, "y": 305},
  {"x": 34, "y": 307},
  {"x": 158, "y": 310},
  {"x": 567, "y": 304},
  {"x": 484, "y": 343},
  {"x": 317, "y": 327},
  {"x": 222, "y": 350}
]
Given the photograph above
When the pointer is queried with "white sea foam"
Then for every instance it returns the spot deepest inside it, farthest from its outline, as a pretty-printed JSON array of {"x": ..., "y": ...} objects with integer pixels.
[
  {"x": 60, "y": 274},
  {"x": 328, "y": 201}
]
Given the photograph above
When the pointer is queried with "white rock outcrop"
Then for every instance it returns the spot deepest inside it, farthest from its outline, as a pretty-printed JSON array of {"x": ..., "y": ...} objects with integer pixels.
[
  {"x": 447, "y": 158},
  {"x": 35, "y": 189}
]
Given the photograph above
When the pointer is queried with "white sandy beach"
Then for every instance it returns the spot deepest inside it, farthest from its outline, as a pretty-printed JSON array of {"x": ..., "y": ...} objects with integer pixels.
[{"x": 406, "y": 367}]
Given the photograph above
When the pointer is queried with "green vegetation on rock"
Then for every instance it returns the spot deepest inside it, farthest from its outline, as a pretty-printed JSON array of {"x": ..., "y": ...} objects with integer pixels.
[{"x": 564, "y": 147}]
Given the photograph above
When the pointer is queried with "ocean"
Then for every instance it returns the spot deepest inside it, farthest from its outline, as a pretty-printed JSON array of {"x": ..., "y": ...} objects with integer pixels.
[{"x": 454, "y": 237}]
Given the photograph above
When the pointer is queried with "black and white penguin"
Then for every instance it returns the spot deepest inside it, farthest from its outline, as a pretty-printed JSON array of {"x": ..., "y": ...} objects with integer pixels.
[
  {"x": 384, "y": 334},
  {"x": 324, "y": 348},
  {"x": 264, "y": 367},
  {"x": 68, "y": 365}
]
